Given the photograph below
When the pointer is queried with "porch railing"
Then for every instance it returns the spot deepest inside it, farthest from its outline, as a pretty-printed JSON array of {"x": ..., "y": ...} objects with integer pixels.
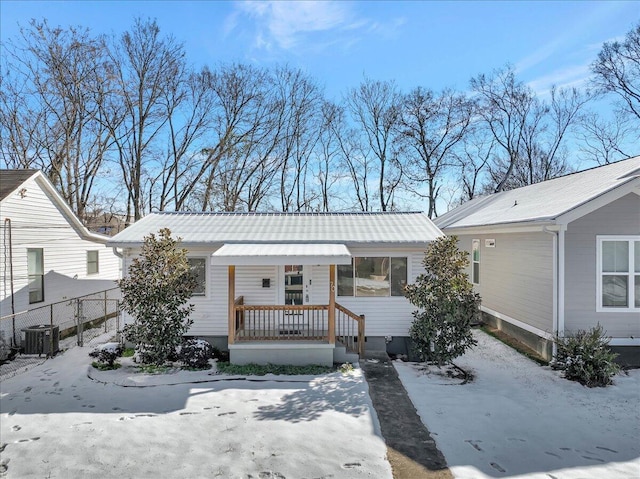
[
  {"x": 297, "y": 322},
  {"x": 350, "y": 329}
]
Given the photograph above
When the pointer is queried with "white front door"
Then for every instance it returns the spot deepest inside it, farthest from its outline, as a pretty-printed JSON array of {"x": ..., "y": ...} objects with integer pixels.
[{"x": 296, "y": 284}]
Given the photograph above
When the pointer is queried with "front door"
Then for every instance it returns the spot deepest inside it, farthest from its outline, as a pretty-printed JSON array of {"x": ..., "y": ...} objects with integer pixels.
[{"x": 296, "y": 284}]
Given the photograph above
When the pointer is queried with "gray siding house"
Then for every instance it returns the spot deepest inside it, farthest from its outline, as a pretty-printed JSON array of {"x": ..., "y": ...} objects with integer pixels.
[
  {"x": 296, "y": 287},
  {"x": 558, "y": 256}
]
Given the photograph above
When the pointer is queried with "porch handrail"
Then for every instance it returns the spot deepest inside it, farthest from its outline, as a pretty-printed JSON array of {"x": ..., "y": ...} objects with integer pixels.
[
  {"x": 298, "y": 322},
  {"x": 345, "y": 331},
  {"x": 281, "y": 322}
]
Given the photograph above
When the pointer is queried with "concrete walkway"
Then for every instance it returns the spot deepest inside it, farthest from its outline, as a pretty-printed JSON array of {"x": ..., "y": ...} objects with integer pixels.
[{"x": 411, "y": 450}]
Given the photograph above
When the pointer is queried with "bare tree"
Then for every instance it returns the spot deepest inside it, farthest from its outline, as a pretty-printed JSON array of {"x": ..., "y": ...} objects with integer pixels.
[
  {"x": 240, "y": 163},
  {"x": 190, "y": 112},
  {"x": 147, "y": 67},
  {"x": 431, "y": 126},
  {"x": 299, "y": 99},
  {"x": 530, "y": 133},
  {"x": 472, "y": 158},
  {"x": 617, "y": 71},
  {"x": 330, "y": 167},
  {"x": 504, "y": 106},
  {"x": 375, "y": 108},
  {"x": 602, "y": 140},
  {"x": 51, "y": 108}
]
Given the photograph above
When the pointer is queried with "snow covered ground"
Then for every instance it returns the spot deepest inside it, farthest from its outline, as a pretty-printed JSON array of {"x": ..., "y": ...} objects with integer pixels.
[
  {"x": 57, "y": 422},
  {"x": 517, "y": 419}
]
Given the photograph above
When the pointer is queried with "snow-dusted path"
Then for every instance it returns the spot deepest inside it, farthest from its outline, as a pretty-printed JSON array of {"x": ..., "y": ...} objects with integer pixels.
[
  {"x": 517, "y": 419},
  {"x": 56, "y": 422}
]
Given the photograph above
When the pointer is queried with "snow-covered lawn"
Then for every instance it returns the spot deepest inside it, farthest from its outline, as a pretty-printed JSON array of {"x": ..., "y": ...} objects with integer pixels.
[
  {"x": 57, "y": 422},
  {"x": 517, "y": 419}
]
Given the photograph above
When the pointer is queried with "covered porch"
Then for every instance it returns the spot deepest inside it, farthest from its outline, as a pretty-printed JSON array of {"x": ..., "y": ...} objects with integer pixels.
[{"x": 297, "y": 331}]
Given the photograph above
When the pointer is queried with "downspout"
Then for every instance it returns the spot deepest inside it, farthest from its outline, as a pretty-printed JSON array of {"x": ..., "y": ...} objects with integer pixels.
[
  {"x": 561, "y": 282},
  {"x": 555, "y": 284},
  {"x": 558, "y": 279}
]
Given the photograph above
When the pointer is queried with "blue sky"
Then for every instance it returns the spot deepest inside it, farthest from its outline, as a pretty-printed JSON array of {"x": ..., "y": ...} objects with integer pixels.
[{"x": 429, "y": 44}]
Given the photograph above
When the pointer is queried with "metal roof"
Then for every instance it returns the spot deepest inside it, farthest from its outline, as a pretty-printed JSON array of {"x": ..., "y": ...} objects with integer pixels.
[
  {"x": 547, "y": 200},
  {"x": 280, "y": 253},
  {"x": 219, "y": 228}
]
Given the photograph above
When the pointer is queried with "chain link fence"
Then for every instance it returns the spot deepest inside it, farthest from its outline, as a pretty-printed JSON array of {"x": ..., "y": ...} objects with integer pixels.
[{"x": 32, "y": 336}]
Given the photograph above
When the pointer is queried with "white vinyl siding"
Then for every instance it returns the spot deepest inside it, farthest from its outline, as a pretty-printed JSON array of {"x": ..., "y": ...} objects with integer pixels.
[
  {"x": 36, "y": 222},
  {"x": 619, "y": 218},
  {"x": 390, "y": 315},
  {"x": 385, "y": 316}
]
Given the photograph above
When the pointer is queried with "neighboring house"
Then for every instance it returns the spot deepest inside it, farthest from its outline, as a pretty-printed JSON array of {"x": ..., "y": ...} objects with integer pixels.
[
  {"x": 47, "y": 254},
  {"x": 558, "y": 256},
  {"x": 281, "y": 287}
]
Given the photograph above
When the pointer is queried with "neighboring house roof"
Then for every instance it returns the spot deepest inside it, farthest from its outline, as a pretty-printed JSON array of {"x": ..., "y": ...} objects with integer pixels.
[
  {"x": 12, "y": 181},
  {"x": 547, "y": 201},
  {"x": 216, "y": 228}
]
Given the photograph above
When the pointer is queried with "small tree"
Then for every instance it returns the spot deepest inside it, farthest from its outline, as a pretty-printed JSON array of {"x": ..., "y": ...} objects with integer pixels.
[
  {"x": 448, "y": 306},
  {"x": 155, "y": 291}
]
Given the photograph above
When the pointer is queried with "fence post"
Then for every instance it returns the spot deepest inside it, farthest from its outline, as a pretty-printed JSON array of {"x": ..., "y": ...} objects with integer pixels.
[
  {"x": 118, "y": 335},
  {"x": 51, "y": 330},
  {"x": 105, "y": 311},
  {"x": 79, "y": 321}
]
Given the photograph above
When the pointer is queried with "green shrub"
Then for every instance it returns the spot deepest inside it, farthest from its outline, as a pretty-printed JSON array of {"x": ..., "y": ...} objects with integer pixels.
[
  {"x": 195, "y": 354},
  {"x": 106, "y": 355},
  {"x": 448, "y": 306},
  {"x": 585, "y": 357},
  {"x": 262, "y": 369},
  {"x": 155, "y": 292}
]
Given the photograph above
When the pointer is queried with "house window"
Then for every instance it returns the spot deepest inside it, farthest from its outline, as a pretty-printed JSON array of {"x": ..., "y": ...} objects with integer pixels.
[
  {"x": 475, "y": 261},
  {"x": 92, "y": 262},
  {"x": 618, "y": 273},
  {"x": 373, "y": 276},
  {"x": 199, "y": 270},
  {"x": 35, "y": 270}
]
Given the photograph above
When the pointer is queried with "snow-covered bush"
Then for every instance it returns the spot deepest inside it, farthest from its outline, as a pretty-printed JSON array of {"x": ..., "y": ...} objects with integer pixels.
[
  {"x": 195, "y": 353},
  {"x": 585, "y": 357},
  {"x": 155, "y": 292},
  {"x": 448, "y": 306},
  {"x": 106, "y": 354}
]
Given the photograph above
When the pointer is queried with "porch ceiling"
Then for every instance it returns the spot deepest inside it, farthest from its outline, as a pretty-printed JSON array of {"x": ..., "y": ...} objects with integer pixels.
[{"x": 278, "y": 254}]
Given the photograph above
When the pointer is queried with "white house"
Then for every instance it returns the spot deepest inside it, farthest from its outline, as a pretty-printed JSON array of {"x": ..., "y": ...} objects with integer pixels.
[
  {"x": 47, "y": 254},
  {"x": 286, "y": 287},
  {"x": 561, "y": 255}
]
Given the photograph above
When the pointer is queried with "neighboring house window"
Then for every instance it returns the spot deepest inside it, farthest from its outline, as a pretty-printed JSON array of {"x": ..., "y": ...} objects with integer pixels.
[
  {"x": 619, "y": 273},
  {"x": 199, "y": 269},
  {"x": 475, "y": 261},
  {"x": 373, "y": 276},
  {"x": 92, "y": 262},
  {"x": 35, "y": 270}
]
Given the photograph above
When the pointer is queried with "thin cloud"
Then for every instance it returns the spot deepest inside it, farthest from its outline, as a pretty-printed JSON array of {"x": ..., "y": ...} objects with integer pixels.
[
  {"x": 308, "y": 24},
  {"x": 573, "y": 76}
]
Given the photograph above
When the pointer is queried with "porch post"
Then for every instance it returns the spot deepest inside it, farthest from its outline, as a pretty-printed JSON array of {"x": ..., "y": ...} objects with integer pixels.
[
  {"x": 232, "y": 308},
  {"x": 332, "y": 304}
]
